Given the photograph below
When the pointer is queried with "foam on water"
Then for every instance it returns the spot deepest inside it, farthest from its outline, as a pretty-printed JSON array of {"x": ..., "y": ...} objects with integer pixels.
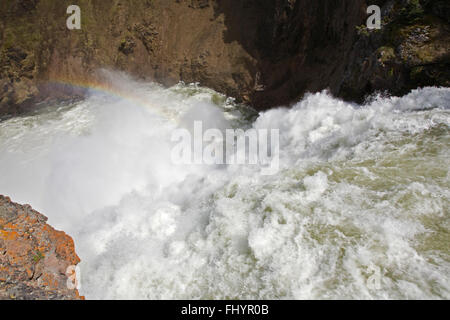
[{"x": 360, "y": 188}]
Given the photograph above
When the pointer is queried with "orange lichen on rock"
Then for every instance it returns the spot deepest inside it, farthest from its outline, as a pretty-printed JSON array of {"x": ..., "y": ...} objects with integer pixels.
[{"x": 34, "y": 257}]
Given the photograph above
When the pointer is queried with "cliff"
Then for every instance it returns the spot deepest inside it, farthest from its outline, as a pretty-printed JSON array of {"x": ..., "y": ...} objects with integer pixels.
[
  {"x": 262, "y": 52},
  {"x": 34, "y": 257},
  {"x": 411, "y": 50}
]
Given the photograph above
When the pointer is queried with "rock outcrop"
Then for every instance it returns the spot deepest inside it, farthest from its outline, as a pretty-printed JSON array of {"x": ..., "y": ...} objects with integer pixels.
[
  {"x": 412, "y": 49},
  {"x": 34, "y": 257},
  {"x": 262, "y": 52}
]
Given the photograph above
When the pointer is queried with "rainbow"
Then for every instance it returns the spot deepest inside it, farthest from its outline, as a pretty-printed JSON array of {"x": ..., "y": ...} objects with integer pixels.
[{"x": 110, "y": 89}]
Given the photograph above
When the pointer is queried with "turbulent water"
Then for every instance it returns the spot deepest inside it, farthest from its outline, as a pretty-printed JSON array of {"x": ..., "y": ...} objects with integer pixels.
[{"x": 358, "y": 209}]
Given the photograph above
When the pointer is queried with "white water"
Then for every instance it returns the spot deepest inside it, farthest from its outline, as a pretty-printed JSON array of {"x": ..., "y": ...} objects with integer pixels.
[{"x": 360, "y": 188}]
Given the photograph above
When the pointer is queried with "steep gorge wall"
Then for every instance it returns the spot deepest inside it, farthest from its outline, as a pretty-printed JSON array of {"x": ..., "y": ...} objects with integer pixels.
[{"x": 263, "y": 52}]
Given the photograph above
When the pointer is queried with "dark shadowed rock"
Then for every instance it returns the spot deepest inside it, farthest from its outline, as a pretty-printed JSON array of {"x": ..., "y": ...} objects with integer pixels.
[{"x": 262, "y": 52}]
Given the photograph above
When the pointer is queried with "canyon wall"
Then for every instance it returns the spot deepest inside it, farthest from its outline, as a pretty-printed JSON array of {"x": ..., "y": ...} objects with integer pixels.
[{"x": 262, "y": 52}]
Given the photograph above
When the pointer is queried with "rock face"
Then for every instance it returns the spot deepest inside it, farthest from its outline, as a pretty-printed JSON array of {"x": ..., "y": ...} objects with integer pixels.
[
  {"x": 262, "y": 52},
  {"x": 411, "y": 50},
  {"x": 34, "y": 257}
]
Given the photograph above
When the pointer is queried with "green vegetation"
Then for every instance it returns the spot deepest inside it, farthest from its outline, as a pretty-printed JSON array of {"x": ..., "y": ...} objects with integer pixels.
[
  {"x": 38, "y": 256},
  {"x": 362, "y": 30},
  {"x": 412, "y": 12},
  {"x": 386, "y": 53}
]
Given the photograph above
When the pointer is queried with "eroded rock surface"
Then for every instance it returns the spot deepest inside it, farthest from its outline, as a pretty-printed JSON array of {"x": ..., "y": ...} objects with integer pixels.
[
  {"x": 411, "y": 50},
  {"x": 265, "y": 53},
  {"x": 34, "y": 257}
]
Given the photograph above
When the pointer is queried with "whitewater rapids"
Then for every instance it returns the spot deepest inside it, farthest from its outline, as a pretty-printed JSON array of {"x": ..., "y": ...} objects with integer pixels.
[{"x": 362, "y": 192}]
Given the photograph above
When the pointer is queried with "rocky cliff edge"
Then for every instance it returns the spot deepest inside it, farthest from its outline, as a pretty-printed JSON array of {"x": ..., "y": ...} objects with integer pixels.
[{"x": 35, "y": 258}]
